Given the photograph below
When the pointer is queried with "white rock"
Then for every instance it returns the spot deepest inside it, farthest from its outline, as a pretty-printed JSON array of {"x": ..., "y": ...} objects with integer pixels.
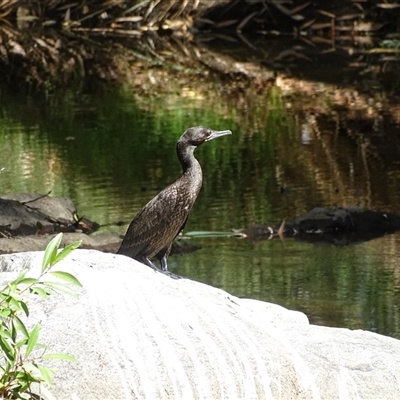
[{"x": 137, "y": 334}]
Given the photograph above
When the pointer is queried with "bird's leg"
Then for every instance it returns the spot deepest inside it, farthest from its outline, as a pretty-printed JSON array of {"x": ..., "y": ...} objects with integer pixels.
[
  {"x": 147, "y": 262},
  {"x": 164, "y": 265},
  {"x": 164, "y": 268}
]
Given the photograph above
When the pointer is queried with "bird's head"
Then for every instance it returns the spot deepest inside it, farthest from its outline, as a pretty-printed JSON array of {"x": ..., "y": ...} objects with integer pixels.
[{"x": 197, "y": 135}]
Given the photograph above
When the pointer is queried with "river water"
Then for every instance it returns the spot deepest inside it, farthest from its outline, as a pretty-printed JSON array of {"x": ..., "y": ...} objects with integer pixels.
[{"x": 111, "y": 153}]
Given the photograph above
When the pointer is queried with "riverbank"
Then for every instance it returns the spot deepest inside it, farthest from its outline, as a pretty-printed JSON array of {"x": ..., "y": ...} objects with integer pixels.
[{"x": 81, "y": 44}]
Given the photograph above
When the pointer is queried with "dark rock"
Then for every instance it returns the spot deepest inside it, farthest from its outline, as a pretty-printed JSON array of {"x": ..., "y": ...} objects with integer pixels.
[
  {"x": 351, "y": 219},
  {"x": 29, "y": 214},
  {"x": 55, "y": 208},
  {"x": 340, "y": 226},
  {"x": 16, "y": 219}
]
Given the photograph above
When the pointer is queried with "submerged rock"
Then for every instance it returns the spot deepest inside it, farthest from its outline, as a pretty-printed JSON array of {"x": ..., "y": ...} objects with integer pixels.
[
  {"x": 137, "y": 334},
  {"x": 341, "y": 225},
  {"x": 346, "y": 219}
]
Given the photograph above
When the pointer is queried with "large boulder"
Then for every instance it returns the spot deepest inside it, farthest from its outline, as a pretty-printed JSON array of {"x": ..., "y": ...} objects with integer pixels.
[{"x": 137, "y": 334}]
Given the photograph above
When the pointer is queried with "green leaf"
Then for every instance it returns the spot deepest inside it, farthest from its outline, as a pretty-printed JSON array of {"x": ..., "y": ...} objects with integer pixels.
[
  {"x": 20, "y": 277},
  {"x": 22, "y": 280},
  {"x": 14, "y": 303},
  {"x": 8, "y": 351},
  {"x": 24, "y": 307},
  {"x": 51, "y": 252},
  {"x": 29, "y": 372},
  {"x": 32, "y": 341},
  {"x": 47, "y": 373},
  {"x": 12, "y": 290},
  {"x": 20, "y": 326},
  {"x": 5, "y": 333},
  {"x": 41, "y": 346},
  {"x": 43, "y": 292},
  {"x": 61, "y": 288},
  {"x": 21, "y": 343},
  {"x": 66, "y": 276},
  {"x": 67, "y": 250},
  {"x": 5, "y": 312},
  {"x": 28, "y": 281},
  {"x": 25, "y": 395},
  {"x": 13, "y": 330},
  {"x": 65, "y": 357}
]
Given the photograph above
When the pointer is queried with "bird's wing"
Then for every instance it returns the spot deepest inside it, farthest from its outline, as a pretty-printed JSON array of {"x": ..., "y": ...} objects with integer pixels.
[{"x": 155, "y": 219}]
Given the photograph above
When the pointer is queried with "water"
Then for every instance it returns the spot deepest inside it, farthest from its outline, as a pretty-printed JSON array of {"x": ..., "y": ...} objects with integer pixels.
[
  {"x": 353, "y": 286},
  {"x": 110, "y": 153}
]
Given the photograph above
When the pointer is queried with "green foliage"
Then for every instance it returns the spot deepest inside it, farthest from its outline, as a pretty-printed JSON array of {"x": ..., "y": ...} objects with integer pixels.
[
  {"x": 20, "y": 350},
  {"x": 390, "y": 44}
]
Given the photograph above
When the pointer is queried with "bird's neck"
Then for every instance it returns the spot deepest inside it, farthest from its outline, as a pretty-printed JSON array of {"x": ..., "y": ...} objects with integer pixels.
[{"x": 191, "y": 167}]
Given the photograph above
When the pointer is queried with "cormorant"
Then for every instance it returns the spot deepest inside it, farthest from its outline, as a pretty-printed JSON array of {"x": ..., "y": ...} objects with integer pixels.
[{"x": 152, "y": 231}]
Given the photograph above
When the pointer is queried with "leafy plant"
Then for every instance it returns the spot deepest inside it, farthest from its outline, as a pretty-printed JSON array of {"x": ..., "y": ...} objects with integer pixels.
[
  {"x": 390, "y": 44},
  {"x": 20, "y": 350}
]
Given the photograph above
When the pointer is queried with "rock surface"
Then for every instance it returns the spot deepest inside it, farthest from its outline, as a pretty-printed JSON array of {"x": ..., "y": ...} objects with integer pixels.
[
  {"x": 108, "y": 242},
  {"x": 137, "y": 334}
]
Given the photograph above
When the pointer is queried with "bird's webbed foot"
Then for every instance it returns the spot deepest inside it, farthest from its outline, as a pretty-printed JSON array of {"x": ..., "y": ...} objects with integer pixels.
[
  {"x": 171, "y": 275},
  {"x": 164, "y": 267}
]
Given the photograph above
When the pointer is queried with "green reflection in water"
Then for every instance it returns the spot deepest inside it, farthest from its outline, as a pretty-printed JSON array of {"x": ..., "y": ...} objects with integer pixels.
[
  {"x": 110, "y": 155},
  {"x": 103, "y": 152},
  {"x": 335, "y": 286}
]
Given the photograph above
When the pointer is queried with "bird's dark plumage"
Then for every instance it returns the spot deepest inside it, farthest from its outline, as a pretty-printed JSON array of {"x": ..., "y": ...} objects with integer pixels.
[{"x": 152, "y": 231}]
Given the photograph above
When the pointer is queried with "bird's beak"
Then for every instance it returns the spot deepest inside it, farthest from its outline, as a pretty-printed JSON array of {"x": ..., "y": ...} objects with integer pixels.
[{"x": 216, "y": 134}]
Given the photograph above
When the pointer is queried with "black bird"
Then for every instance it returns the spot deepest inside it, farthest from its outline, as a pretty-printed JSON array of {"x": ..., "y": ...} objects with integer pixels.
[{"x": 152, "y": 231}]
